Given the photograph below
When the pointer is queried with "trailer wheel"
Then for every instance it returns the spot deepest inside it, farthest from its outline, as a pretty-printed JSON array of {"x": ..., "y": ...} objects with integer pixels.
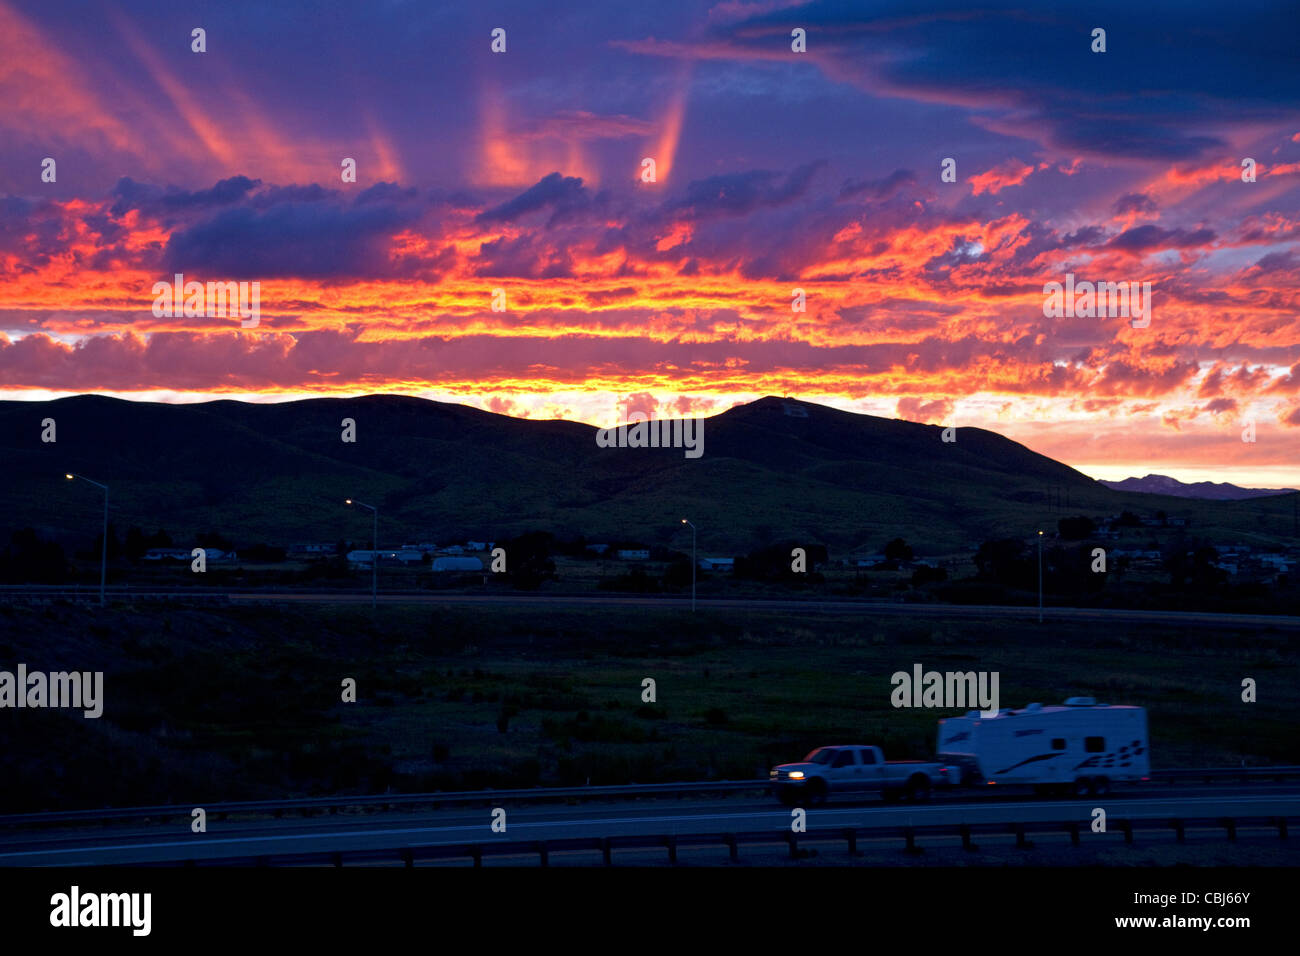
[
  {"x": 1082, "y": 786},
  {"x": 918, "y": 788},
  {"x": 1101, "y": 786}
]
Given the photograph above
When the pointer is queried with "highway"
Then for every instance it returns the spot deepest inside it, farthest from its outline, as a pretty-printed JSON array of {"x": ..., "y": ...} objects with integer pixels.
[
  {"x": 1113, "y": 616},
  {"x": 393, "y": 831},
  {"x": 981, "y": 612}
]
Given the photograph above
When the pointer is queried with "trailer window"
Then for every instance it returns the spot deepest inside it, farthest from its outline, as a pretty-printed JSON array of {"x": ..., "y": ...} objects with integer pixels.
[
  {"x": 1058, "y": 743},
  {"x": 1094, "y": 745}
]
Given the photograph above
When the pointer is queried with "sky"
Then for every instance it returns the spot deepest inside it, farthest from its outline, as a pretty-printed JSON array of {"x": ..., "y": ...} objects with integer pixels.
[{"x": 774, "y": 170}]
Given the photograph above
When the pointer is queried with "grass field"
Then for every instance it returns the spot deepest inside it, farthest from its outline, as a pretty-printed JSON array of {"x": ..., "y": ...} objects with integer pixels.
[{"x": 230, "y": 703}]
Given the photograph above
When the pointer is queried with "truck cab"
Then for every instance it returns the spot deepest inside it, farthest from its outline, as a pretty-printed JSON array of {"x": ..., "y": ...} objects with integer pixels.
[{"x": 852, "y": 769}]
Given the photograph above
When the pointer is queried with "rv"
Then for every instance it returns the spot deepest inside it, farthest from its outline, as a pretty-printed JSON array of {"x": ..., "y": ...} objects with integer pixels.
[{"x": 1081, "y": 747}]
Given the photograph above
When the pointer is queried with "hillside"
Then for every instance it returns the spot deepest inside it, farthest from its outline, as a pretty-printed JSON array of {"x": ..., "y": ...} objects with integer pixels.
[{"x": 278, "y": 473}]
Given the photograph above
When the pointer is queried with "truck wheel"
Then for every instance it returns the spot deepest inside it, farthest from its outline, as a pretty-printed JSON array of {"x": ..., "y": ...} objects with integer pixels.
[
  {"x": 1101, "y": 786},
  {"x": 918, "y": 789},
  {"x": 816, "y": 793},
  {"x": 1082, "y": 786}
]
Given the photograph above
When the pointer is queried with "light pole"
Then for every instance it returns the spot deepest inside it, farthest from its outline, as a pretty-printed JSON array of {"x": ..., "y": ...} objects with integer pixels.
[
  {"x": 1040, "y": 577},
  {"x": 684, "y": 521},
  {"x": 374, "y": 551},
  {"x": 103, "y": 549}
]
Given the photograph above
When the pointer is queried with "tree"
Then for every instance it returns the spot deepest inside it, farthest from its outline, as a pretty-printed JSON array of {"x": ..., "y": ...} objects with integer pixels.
[
  {"x": 1077, "y": 528},
  {"x": 528, "y": 559},
  {"x": 29, "y": 559},
  {"x": 926, "y": 575},
  {"x": 898, "y": 550},
  {"x": 1007, "y": 561},
  {"x": 211, "y": 539}
]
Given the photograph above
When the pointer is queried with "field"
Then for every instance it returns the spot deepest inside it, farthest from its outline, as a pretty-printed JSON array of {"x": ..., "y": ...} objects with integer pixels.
[{"x": 231, "y": 703}]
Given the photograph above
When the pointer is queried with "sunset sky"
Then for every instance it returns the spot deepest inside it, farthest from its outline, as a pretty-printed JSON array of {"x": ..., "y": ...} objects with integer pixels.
[{"x": 775, "y": 170}]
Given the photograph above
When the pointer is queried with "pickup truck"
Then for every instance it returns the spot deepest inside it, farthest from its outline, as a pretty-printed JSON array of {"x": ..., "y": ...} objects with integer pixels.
[{"x": 857, "y": 769}]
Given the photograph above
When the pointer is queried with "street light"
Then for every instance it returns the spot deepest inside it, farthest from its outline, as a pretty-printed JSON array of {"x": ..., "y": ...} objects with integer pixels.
[
  {"x": 103, "y": 550},
  {"x": 1040, "y": 577},
  {"x": 374, "y": 551},
  {"x": 684, "y": 521}
]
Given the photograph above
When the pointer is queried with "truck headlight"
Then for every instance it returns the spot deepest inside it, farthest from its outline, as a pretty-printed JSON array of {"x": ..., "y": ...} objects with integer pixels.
[{"x": 796, "y": 774}]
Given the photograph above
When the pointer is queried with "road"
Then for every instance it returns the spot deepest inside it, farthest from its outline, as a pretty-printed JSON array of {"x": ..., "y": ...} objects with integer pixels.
[
  {"x": 393, "y": 831},
  {"x": 618, "y": 601}
]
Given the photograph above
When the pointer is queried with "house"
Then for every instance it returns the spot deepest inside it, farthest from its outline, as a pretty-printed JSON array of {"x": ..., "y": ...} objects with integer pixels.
[
  {"x": 311, "y": 550},
  {"x": 634, "y": 554},
  {"x": 598, "y": 548},
  {"x": 405, "y": 557},
  {"x": 478, "y": 545},
  {"x": 717, "y": 564},
  {"x": 172, "y": 554}
]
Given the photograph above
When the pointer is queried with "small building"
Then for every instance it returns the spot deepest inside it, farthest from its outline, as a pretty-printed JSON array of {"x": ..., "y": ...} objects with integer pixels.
[
  {"x": 597, "y": 548},
  {"x": 717, "y": 564},
  {"x": 477, "y": 545},
  {"x": 634, "y": 554}
]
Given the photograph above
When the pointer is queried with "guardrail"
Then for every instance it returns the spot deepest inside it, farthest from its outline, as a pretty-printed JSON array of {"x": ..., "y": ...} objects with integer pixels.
[
  {"x": 606, "y": 846},
  {"x": 623, "y": 791},
  {"x": 90, "y": 595}
]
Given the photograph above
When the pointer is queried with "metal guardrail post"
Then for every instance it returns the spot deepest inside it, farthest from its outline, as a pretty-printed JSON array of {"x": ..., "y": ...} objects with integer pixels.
[
  {"x": 734, "y": 850},
  {"x": 671, "y": 843},
  {"x": 607, "y": 850},
  {"x": 1179, "y": 830},
  {"x": 852, "y": 836},
  {"x": 1231, "y": 826},
  {"x": 543, "y": 855},
  {"x": 1127, "y": 827},
  {"x": 966, "y": 843},
  {"x": 1281, "y": 828},
  {"x": 1074, "y": 832},
  {"x": 1021, "y": 842}
]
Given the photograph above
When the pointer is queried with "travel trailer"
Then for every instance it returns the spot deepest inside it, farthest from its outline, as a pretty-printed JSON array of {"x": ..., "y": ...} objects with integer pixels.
[{"x": 1081, "y": 747}]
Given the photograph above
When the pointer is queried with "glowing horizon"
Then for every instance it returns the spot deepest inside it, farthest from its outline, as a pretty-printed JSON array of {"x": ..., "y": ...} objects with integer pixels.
[{"x": 777, "y": 171}]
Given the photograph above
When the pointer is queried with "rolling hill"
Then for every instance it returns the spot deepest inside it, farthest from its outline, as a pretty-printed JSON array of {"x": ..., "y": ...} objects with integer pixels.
[{"x": 775, "y": 468}]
